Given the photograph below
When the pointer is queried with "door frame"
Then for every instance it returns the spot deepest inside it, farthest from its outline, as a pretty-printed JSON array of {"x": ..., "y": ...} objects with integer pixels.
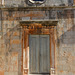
[{"x": 36, "y": 29}]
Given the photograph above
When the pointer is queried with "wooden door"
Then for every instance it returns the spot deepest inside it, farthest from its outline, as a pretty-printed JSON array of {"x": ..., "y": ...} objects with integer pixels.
[{"x": 39, "y": 54}]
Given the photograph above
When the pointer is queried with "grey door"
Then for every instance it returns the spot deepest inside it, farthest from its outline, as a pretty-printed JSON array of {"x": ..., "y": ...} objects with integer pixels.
[{"x": 39, "y": 62}]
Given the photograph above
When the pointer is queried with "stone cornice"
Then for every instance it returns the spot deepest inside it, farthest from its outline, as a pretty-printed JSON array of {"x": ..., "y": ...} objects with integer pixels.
[
  {"x": 43, "y": 22},
  {"x": 37, "y": 8}
]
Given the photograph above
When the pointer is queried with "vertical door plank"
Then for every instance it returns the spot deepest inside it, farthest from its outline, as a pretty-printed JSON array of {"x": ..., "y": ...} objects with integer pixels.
[
  {"x": 48, "y": 53},
  {"x": 44, "y": 54},
  {"x": 34, "y": 53}
]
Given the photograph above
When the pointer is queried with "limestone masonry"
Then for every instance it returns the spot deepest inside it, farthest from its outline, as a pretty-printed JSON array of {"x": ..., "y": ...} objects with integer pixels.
[{"x": 59, "y": 12}]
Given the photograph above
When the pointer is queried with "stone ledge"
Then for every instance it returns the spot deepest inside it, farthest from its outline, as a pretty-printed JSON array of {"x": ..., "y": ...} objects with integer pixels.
[
  {"x": 43, "y": 22},
  {"x": 36, "y": 8}
]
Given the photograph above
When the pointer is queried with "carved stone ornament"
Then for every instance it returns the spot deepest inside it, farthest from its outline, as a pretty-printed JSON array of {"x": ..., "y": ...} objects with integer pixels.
[{"x": 37, "y": 1}]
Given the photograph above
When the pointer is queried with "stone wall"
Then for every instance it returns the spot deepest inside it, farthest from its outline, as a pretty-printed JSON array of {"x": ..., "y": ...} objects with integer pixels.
[
  {"x": 10, "y": 46},
  {"x": 0, "y": 2},
  {"x": 25, "y": 3},
  {"x": 10, "y": 40},
  {"x": 66, "y": 44},
  {"x": 11, "y": 35}
]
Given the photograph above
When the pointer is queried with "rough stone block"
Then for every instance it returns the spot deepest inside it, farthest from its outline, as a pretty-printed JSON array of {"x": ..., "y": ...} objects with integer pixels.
[
  {"x": 16, "y": 33},
  {"x": 15, "y": 41},
  {"x": 11, "y": 73},
  {"x": 1, "y": 72}
]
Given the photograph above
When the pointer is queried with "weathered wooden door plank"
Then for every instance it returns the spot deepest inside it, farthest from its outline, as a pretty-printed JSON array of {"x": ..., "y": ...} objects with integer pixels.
[
  {"x": 34, "y": 54},
  {"x": 44, "y": 54}
]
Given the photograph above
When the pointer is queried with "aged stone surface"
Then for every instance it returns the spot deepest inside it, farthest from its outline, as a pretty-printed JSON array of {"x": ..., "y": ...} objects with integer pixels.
[
  {"x": 21, "y": 3},
  {"x": 11, "y": 34}
]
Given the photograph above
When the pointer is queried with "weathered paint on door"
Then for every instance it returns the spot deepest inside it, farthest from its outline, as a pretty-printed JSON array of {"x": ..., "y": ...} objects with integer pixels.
[{"x": 39, "y": 54}]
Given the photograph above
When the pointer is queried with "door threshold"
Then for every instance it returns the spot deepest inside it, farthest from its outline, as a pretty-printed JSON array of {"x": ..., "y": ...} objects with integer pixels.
[{"x": 39, "y": 74}]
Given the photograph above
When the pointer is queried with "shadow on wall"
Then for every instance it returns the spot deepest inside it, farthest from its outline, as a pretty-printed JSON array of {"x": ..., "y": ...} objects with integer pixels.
[
  {"x": 68, "y": 37},
  {"x": 67, "y": 27},
  {"x": 70, "y": 2}
]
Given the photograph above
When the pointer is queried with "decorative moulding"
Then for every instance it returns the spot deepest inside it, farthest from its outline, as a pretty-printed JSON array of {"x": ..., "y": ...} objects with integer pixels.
[{"x": 37, "y": 1}]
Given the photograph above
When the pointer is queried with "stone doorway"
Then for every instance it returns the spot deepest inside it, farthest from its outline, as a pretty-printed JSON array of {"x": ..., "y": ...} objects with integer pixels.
[{"x": 37, "y": 28}]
